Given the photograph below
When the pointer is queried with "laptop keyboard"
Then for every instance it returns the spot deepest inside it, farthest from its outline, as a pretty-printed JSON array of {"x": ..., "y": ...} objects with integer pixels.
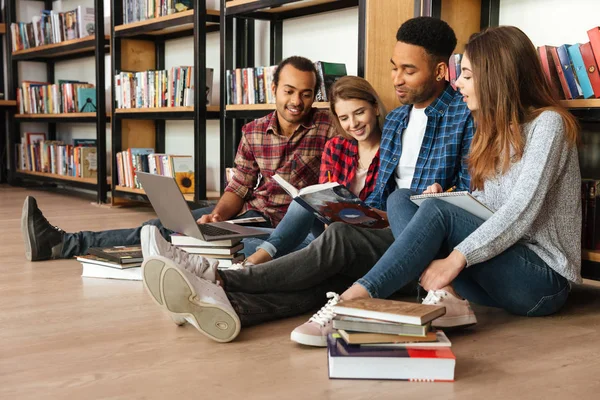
[{"x": 211, "y": 230}]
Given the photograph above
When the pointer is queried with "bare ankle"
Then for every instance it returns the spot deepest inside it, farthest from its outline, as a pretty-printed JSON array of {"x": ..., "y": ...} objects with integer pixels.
[
  {"x": 259, "y": 257},
  {"x": 355, "y": 291}
]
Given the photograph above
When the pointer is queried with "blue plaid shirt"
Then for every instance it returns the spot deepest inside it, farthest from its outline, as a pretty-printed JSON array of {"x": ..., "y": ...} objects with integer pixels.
[{"x": 444, "y": 150}]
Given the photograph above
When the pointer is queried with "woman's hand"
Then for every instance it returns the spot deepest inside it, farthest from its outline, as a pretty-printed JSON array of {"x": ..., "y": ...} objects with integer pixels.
[
  {"x": 435, "y": 188},
  {"x": 440, "y": 273}
]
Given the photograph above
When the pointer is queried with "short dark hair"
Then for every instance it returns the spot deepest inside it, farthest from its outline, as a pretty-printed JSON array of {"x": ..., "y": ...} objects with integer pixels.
[
  {"x": 432, "y": 34},
  {"x": 302, "y": 64}
]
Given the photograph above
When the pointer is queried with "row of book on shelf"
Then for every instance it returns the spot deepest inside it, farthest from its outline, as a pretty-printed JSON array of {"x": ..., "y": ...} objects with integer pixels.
[
  {"x": 132, "y": 160},
  {"x": 36, "y": 154},
  {"x": 253, "y": 85},
  {"x": 141, "y": 10},
  {"x": 67, "y": 96},
  {"x": 53, "y": 27},
  {"x": 159, "y": 88}
]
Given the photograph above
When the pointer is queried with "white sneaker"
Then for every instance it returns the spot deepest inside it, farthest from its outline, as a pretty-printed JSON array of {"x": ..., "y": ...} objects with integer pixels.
[
  {"x": 187, "y": 297},
  {"x": 315, "y": 331},
  {"x": 153, "y": 244},
  {"x": 458, "y": 312}
]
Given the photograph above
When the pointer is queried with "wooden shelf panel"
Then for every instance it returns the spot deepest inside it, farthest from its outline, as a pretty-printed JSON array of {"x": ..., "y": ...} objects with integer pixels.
[
  {"x": 69, "y": 47},
  {"x": 581, "y": 103},
  {"x": 188, "y": 197},
  {"x": 65, "y": 117},
  {"x": 162, "y": 109},
  {"x": 591, "y": 255},
  {"x": 286, "y": 8},
  {"x": 91, "y": 181},
  {"x": 267, "y": 107},
  {"x": 165, "y": 113},
  {"x": 8, "y": 103},
  {"x": 178, "y": 22},
  {"x": 2, "y": 29}
]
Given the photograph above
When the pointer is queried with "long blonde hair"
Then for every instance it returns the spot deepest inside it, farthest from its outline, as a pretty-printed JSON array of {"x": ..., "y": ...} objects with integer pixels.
[
  {"x": 354, "y": 87},
  {"x": 511, "y": 89}
]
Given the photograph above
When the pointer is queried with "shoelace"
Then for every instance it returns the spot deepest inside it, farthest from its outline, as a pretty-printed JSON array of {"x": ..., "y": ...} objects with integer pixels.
[
  {"x": 40, "y": 215},
  {"x": 326, "y": 314},
  {"x": 434, "y": 296},
  {"x": 195, "y": 264}
]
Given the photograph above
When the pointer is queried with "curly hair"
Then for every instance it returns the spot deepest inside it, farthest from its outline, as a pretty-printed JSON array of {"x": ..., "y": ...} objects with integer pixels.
[
  {"x": 302, "y": 64},
  {"x": 432, "y": 34}
]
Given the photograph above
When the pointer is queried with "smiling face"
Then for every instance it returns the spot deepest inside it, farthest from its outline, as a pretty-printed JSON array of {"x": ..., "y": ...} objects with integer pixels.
[
  {"x": 294, "y": 95},
  {"x": 414, "y": 75},
  {"x": 357, "y": 117},
  {"x": 466, "y": 84}
]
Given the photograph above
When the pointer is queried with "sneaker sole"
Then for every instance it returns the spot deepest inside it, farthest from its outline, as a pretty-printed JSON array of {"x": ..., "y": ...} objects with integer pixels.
[
  {"x": 173, "y": 291},
  {"x": 308, "y": 340},
  {"x": 462, "y": 321},
  {"x": 25, "y": 229}
]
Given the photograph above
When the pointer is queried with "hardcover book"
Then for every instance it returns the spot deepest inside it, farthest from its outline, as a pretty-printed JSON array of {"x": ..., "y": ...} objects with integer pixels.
[
  {"x": 464, "y": 200},
  {"x": 410, "y": 364},
  {"x": 329, "y": 73},
  {"x": 568, "y": 72},
  {"x": 390, "y": 310},
  {"x": 183, "y": 172},
  {"x": 580, "y": 71},
  {"x": 550, "y": 70},
  {"x": 377, "y": 326},
  {"x": 332, "y": 202},
  {"x": 591, "y": 67},
  {"x": 119, "y": 254},
  {"x": 178, "y": 239},
  {"x": 379, "y": 338}
]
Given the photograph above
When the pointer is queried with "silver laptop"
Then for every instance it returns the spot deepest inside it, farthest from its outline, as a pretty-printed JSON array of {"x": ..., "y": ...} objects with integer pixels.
[{"x": 174, "y": 213}]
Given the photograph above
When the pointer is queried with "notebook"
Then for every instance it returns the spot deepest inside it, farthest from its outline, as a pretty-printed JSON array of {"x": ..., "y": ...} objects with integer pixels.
[{"x": 464, "y": 200}]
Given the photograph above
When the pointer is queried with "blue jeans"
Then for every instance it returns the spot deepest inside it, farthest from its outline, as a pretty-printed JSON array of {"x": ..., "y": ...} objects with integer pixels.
[
  {"x": 296, "y": 230},
  {"x": 516, "y": 280},
  {"x": 75, "y": 244}
]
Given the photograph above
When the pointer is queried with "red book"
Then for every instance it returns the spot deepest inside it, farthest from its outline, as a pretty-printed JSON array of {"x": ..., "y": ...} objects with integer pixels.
[
  {"x": 594, "y": 35},
  {"x": 550, "y": 70},
  {"x": 561, "y": 76},
  {"x": 591, "y": 66}
]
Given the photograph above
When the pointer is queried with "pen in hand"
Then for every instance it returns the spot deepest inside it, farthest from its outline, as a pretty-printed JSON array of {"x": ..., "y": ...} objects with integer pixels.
[{"x": 451, "y": 189}]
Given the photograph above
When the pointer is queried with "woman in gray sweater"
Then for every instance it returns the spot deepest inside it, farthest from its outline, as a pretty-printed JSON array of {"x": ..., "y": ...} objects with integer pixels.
[{"x": 523, "y": 164}]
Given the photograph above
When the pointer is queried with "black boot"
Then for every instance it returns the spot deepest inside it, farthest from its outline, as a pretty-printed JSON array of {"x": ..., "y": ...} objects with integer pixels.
[{"x": 42, "y": 240}]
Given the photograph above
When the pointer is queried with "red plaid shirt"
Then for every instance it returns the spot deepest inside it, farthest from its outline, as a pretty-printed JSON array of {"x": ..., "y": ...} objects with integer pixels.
[
  {"x": 340, "y": 159},
  {"x": 263, "y": 152}
]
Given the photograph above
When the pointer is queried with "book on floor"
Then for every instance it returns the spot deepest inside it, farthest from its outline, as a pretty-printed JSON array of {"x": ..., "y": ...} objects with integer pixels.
[
  {"x": 227, "y": 263},
  {"x": 390, "y": 310},
  {"x": 119, "y": 254},
  {"x": 183, "y": 240},
  {"x": 93, "y": 259},
  {"x": 464, "y": 200},
  {"x": 411, "y": 364},
  {"x": 98, "y": 271},
  {"x": 359, "y": 324},
  {"x": 333, "y": 202},
  {"x": 218, "y": 252},
  {"x": 433, "y": 339}
]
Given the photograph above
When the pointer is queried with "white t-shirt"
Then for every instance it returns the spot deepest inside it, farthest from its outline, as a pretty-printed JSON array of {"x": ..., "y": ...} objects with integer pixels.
[
  {"x": 412, "y": 138},
  {"x": 358, "y": 183}
]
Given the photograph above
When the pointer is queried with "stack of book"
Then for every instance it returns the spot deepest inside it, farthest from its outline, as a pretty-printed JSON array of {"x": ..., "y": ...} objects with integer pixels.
[
  {"x": 387, "y": 339},
  {"x": 118, "y": 262},
  {"x": 224, "y": 251}
]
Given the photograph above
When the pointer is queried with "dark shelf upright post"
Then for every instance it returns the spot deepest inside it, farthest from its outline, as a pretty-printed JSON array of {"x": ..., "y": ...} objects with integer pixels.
[
  {"x": 116, "y": 18},
  {"x": 200, "y": 100},
  {"x": 102, "y": 187},
  {"x": 12, "y": 84}
]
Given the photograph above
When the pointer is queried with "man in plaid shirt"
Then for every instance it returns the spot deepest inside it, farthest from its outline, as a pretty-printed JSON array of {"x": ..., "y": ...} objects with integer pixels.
[{"x": 288, "y": 141}]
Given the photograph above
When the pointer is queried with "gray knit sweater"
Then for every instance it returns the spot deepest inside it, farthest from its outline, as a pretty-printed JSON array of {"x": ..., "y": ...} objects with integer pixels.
[{"x": 537, "y": 202}]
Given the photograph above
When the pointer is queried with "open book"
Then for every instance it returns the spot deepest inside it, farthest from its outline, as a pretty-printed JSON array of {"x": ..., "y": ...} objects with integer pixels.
[
  {"x": 463, "y": 200},
  {"x": 332, "y": 202}
]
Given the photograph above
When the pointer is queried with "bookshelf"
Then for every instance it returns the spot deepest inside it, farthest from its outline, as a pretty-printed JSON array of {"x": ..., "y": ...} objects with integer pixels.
[
  {"x": 96, "y": 46},
  {"x": 140, "y": 46},
  {"x": 6, "y": 106}
]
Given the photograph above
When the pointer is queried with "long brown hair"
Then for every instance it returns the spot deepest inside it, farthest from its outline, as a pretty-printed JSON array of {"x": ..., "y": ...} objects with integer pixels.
[
  {"x": 511, "y": 89},
  {"x": 353, "y": 87}
]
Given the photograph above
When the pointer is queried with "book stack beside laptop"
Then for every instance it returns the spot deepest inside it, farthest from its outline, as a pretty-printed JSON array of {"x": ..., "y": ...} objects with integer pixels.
[
  {"x": 388, "y": 339},
  {"x": 226, "y": 251},
  {"x": 119, "y": 262}
]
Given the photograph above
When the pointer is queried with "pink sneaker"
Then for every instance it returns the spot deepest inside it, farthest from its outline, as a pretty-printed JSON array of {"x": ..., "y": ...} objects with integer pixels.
[
  {"x": 315, "y": 331},
  {"x": 458, "y": 312}
]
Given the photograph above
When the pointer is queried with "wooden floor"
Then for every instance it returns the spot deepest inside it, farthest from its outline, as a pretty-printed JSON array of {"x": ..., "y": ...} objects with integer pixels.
[{"x": 64, "y": 337}]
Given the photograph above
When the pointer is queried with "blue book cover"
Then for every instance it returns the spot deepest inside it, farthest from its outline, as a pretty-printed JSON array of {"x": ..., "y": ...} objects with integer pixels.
[
  {"x": 567, "y": 68},
  {"x": 581, "y": 71},
  {"x": 86, "y": 100}
]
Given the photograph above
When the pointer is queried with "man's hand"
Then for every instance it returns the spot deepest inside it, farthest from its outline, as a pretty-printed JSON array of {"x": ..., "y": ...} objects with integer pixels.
[
  {"x": 440, "y": 273},
  {"x": 209, "y": 218},
  {"x": 435, "y": 188}
]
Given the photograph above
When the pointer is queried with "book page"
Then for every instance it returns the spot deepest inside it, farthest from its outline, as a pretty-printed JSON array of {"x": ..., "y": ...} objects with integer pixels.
[{"x": 292, "y": 191}]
